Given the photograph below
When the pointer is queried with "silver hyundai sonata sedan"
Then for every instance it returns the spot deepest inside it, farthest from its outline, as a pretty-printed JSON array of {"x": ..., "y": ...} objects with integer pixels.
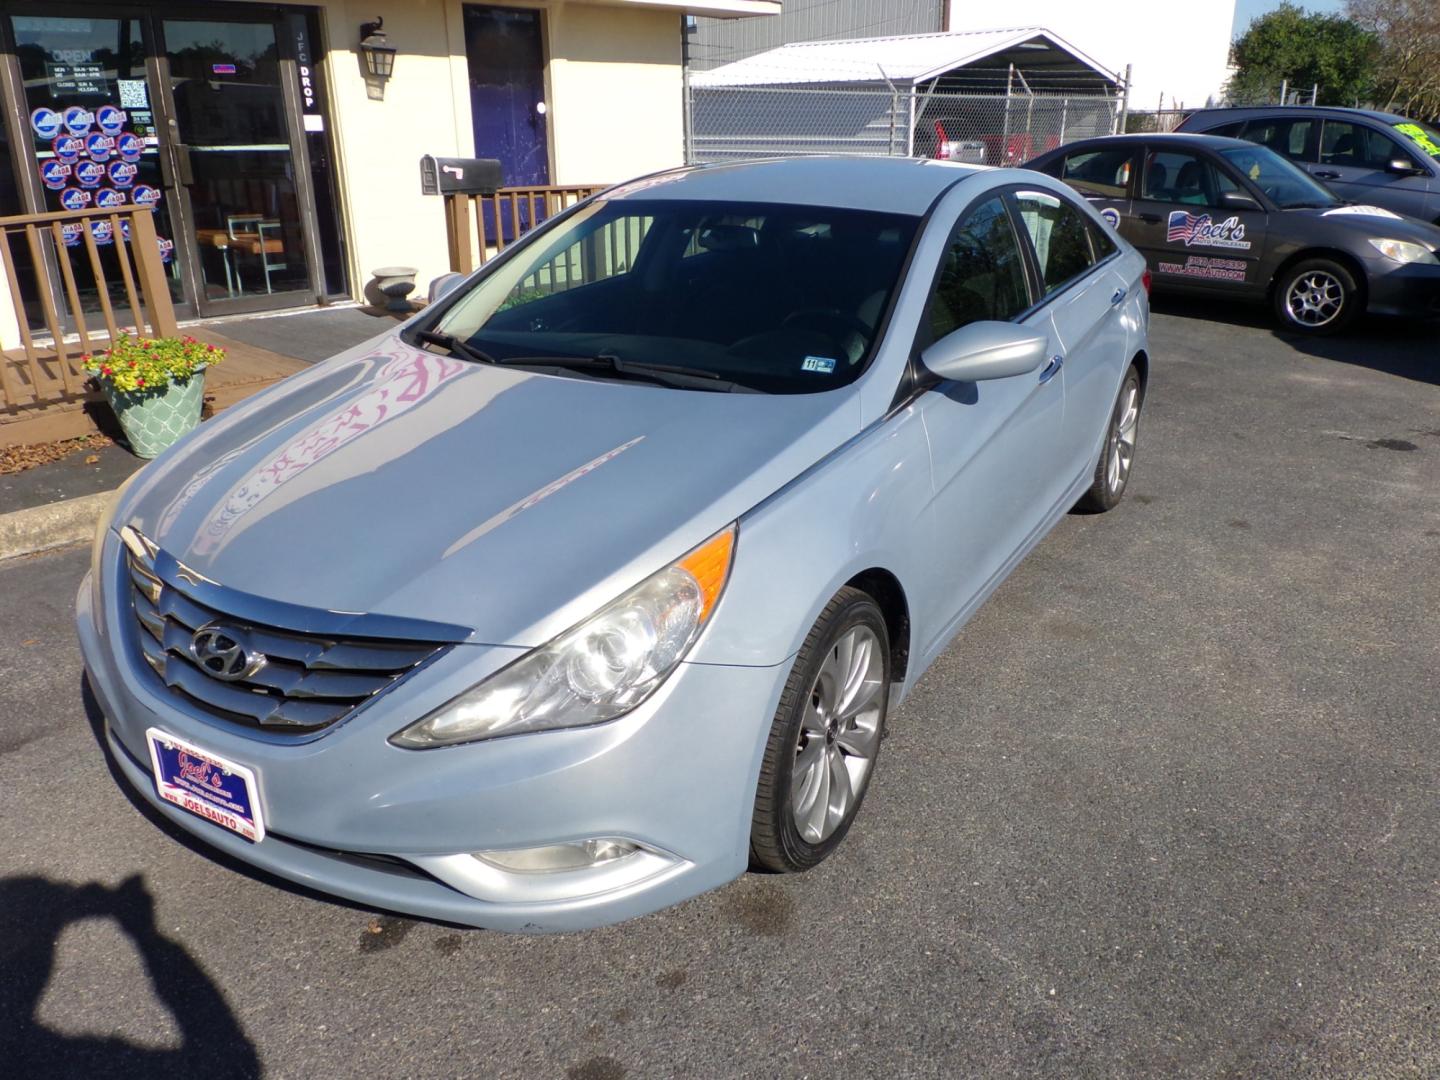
[{"x": 594, "y": 583}]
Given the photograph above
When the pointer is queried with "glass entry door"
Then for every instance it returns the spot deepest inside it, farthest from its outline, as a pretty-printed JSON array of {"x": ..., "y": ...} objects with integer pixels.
[{"x": 233, "y": 165}]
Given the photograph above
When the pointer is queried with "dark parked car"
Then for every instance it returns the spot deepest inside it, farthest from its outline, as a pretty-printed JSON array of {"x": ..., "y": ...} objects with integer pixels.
[
  {"x": 1363, "y": 155},
  {"x": 1227, "y": 217}
]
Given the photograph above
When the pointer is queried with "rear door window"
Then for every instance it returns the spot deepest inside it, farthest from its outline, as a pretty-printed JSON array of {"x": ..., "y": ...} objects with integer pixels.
[
  {"x": 1099, "y": 172},
  {"x": 1289, "y": 137},
  {"x": 1059, "y": 236}
]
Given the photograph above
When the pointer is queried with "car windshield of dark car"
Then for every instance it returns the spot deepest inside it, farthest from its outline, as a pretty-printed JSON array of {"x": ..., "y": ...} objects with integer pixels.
[
  {"x": 758, "y": 296},
  {"x": 1287, "y": 186},
  {"x": 1425, "y": 137}
]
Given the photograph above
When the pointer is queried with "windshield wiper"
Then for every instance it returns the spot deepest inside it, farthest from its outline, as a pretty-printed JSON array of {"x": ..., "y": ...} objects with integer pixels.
[
  {"x": 610, "y": 364},
  {"x": 456, "y": 346}
]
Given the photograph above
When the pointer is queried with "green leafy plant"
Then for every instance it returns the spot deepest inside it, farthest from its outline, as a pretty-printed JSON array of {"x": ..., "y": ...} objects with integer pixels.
[{"x": 136, "y": 364}]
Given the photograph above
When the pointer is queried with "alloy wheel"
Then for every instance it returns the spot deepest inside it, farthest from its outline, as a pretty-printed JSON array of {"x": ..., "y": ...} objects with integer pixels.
[
  {"x": 1122, "y": 439},
  {"x": 1315, "y": 298},
  {"x": 839, "y": 735}
]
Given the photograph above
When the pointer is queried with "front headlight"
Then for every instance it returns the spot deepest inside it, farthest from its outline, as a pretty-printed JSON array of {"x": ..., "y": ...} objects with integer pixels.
[
  {"x": 1403, "y": 251},
  {"x": 597, "y": 670}
]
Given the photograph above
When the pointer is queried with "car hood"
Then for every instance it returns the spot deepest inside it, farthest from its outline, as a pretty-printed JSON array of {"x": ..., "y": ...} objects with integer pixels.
[
  {"x": 507, "y": 502},
  {"x": 1374, "y": 221}
]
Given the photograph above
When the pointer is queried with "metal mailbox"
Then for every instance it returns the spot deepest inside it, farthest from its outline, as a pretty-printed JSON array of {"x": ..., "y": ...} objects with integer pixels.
[{"x": 459, "y": 176}]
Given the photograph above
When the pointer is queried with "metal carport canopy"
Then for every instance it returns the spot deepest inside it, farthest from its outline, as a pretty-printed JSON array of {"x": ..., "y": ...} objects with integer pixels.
[{"x": 904, "y": 61}]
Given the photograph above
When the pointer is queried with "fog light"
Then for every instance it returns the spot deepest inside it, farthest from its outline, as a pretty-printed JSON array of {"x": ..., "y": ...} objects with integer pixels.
[{"x": 579, "y": 855}]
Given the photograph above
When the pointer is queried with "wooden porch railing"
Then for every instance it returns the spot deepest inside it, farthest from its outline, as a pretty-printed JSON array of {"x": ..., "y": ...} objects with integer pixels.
[
  {"x": 36, "y": 375},
  {"x": 487, "y": 223}
]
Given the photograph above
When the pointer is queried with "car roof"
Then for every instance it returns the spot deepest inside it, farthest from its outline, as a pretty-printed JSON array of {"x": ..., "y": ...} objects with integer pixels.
[
  {"x": 1155, "y": 138},
  {"x": 891, "y": 185},
  {"x": 1337, "y": 111}
]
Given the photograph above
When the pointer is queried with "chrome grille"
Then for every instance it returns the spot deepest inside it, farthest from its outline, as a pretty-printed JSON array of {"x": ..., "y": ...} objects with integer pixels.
[{"x": 306, "y": 681}]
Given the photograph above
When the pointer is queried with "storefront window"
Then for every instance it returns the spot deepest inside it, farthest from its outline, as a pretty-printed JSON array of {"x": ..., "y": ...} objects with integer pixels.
[{"x": 92, "y": 136}]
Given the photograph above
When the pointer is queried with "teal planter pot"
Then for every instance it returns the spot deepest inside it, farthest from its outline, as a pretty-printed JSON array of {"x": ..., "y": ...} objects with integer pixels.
[{"x": 153, "y": 419}]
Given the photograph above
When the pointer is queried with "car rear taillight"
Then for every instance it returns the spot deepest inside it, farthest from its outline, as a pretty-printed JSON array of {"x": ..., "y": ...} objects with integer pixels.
[{"x": 1145, "y": 280}]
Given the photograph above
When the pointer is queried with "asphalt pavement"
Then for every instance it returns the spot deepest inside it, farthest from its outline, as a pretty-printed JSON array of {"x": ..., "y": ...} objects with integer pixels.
[{"x": 1168, "y": 807}]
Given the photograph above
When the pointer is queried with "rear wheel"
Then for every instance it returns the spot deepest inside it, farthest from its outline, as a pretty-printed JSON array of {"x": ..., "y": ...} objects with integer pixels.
[
  {"x": 825, "y": 737},
  {"x": 1317, "y": 296},
  {"x": 1112, "y": 472}
]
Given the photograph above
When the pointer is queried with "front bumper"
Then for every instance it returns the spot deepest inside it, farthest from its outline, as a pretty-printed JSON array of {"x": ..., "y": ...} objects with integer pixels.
[
  {"x": 349, "y": 814},
  {"x": 1407, "y": 290}
]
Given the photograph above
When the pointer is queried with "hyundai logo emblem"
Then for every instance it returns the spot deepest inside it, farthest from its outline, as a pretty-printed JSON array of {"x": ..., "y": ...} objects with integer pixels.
[{"x": 224, "y": 652}]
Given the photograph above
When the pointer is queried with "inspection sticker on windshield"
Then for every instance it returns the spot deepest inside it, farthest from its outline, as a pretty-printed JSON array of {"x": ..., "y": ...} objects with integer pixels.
[
  {"x": 206, "y": 784},
  {"x": 823, "y": 364}
]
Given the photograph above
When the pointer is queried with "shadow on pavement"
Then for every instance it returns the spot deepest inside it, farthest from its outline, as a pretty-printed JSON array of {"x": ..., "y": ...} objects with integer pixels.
[
  {"x": 1409, "y": 349},
  {"x": 33, "y": 913}
]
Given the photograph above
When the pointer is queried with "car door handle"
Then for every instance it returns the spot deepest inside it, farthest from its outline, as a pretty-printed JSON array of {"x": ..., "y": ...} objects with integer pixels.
[
  {"x": 1119, "y": 296},
  {"x": 1150, "y": 219},
  {"x": 1052, "y": 369},
  {"x": 1326, "y": 174}
]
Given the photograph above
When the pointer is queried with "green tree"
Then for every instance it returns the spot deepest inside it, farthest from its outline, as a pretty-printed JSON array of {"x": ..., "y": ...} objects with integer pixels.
[
  {"x": 1408, "y": 78},
  {"x": 1303, "y": 49}
]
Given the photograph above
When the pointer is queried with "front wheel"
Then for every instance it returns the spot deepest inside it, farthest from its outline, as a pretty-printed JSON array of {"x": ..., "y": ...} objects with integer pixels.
[
  {"x": 1317, "y": 296},
  {"x": 824, "y": 738}
]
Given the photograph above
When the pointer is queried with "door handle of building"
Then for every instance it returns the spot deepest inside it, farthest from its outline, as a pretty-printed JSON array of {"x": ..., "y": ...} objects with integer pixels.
[
  {"x": 175, "y": 170},
  {"x": 184, "y": 173},
  {"x": 1052, "y": 369},
  {"x": 1326, "y": 174},
  {"x": 1151, "y": 219},
  {"x": 1119, "y": 296}
]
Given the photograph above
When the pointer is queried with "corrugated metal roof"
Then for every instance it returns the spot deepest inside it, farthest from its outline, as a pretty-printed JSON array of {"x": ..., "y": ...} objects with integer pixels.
[{"x": 905, "y": 59}]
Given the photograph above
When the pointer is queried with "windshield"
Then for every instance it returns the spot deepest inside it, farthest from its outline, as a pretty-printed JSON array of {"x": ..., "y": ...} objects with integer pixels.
[
  {"x": 780, "y": 299},
  {"x": 1422, "y": 135},
  {"x": 1287, "y": 186}
]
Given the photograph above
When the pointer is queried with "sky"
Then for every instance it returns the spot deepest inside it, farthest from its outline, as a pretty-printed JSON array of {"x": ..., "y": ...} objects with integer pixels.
[{"x": 1245, "y": 10}]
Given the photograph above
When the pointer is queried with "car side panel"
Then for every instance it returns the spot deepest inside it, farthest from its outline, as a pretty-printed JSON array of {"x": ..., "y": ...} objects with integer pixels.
[{"x": 867, "y": 505}]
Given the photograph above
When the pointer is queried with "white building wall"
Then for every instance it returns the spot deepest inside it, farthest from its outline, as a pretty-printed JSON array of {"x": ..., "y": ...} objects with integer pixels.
[{"x": 1178, "y": 51}]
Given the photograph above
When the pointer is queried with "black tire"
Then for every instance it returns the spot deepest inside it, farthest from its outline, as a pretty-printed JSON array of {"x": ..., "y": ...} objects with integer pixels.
[
  {"x": 1324, "y": 275},
  {"x": 776, "y": 842},
  {"x": 1105, "y": 493}
]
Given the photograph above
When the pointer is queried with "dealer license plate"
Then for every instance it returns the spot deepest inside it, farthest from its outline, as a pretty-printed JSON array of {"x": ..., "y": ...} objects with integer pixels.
[{"x": 207, "y": 785}]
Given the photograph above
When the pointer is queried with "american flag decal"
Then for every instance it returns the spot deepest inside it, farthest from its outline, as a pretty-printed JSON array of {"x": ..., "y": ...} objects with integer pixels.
[{"x": 1182, "y": 226}]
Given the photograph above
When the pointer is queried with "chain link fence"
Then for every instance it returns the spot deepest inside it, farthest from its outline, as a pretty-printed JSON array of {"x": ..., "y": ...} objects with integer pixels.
[{"x": 728, "y": 123}]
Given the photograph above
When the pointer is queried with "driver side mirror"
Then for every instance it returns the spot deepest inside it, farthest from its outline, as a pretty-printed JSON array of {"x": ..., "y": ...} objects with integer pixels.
[
  {"x": 1401, "y": 167},
  {"x": 1238, "y": 200},
  {"x": 444, "y": 284},
  {"x": 985, "y": 350}
]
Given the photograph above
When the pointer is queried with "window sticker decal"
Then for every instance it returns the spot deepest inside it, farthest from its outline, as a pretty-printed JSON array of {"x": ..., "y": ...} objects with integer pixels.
[
  {"x": 122, "y": 173},
  {"x": 78, "y": 120},
  {"x": 89, "y": 173},
  {"x": 54, "y": 174},
  {"x": 45, "y": 123},
  {"x": 822, "y": 364},
  {"x": 129, "y": 146},
  {"x": 68, "y": 148},
  {"x": 1420, "y": 137},
  {"x": 99, "y": 146},
  {"x": 1201, "y": 230},
  {"x": 110, "y": 120}
]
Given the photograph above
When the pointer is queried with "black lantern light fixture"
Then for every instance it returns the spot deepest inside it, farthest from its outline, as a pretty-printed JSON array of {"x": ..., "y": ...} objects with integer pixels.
[{"x": 378, "y": 54}]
